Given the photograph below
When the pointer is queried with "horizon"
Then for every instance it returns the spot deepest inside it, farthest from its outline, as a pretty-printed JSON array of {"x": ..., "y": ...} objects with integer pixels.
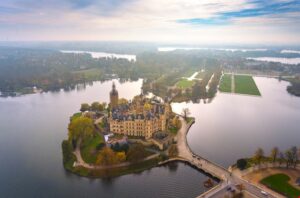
[{"x": 246, "y": 22}]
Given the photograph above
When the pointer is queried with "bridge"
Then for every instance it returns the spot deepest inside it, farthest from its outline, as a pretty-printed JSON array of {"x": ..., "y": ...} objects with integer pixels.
[{"x": 227, "y": 179}]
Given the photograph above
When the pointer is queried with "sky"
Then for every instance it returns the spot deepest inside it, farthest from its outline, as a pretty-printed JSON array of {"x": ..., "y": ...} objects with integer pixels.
[{"x": 179, "y": 21}]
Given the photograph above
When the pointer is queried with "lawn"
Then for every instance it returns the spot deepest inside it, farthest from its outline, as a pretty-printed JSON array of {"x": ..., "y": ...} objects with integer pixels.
[
  {"x": 89, "y": 148},
  {"x": 279, "y": 183},
  {"x": 184, "y": 83},
  {"x": 75, "y": 115},
  {"x": 225, "y": 85},
  {"x": 245, "y": 85}
]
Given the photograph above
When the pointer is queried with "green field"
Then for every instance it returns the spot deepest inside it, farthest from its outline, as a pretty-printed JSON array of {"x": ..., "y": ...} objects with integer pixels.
[
  {"x": 245, "y": 85},
  {"x": 225, "y": 84},
  {"x": 184, "y": 83},
  {"x": 279, "y": 183}
]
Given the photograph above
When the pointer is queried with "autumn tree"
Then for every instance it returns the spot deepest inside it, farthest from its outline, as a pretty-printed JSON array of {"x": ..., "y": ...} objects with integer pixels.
[
  {"x": 121, "y": 157},
  {"x": 106, "y": 157},
  {"x": 274, "y": 154},
  {"x": 80, "y": 127},
  {"x": 173, "y": 151},
  {"x": 185, "y": 113},
  {"x": 289, "y": 158},
  {"x": 294, "y": 151},
  {"x": 136, "y": 152},
  {"x": 258, "y": 156}
]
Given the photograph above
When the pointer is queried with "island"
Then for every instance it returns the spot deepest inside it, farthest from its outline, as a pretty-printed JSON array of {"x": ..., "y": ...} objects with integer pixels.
[{"x": 122, "y": 137}]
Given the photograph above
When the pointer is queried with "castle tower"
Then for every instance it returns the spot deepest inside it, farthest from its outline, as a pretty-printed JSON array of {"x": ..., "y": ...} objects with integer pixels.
[{"x": 114, "y": 96}]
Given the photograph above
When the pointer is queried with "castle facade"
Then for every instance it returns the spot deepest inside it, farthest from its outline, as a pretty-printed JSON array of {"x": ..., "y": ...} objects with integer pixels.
[{"x": 140, "y": 117}]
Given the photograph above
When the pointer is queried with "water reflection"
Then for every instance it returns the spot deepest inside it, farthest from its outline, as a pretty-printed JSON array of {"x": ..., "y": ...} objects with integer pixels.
[
  {"x": 31, "y": 131},
  {"x": 234, "y": 126}
]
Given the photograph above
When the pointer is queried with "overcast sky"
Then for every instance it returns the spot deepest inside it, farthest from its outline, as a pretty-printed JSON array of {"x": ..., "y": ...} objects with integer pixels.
[{"x": 185, "y": 21}]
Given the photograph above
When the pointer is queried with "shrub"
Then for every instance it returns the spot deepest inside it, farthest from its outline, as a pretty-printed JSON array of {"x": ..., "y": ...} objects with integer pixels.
[{"x": 241, "y": 164}]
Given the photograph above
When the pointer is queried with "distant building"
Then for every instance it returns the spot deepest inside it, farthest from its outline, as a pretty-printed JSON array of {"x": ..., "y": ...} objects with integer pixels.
[
  {"x": 140, "y": 117},
  {"x": 114, "y": 96}
]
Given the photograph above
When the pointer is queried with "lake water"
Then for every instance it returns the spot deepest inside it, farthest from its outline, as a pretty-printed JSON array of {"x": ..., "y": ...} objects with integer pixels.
[
  {"x": 32, "y": 128},
  {"x": 169, "y": 49},
  {"x": 289, "y": 61},
  {"x": 103, "y": 54},
  {"x": 234, "y": 126}
]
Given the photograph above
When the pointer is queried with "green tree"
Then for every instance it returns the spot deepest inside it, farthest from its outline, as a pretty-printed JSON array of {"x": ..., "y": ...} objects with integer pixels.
[
  {"x": 274, "y": 154},
  {"x": 136, "y": 152},
  {"x": 106, "y": 157},
  {"x": 241, "y": 164},
  {"x": 68, "y": 156},
  {"x": 258, "y": 155},
  {"x": 84, "y": 107},
  {"x": 80, "y": 127},
  {"x": 95, "y": 106}
]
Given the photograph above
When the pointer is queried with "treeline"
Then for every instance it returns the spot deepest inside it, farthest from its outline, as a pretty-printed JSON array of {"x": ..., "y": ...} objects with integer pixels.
[
  {"x": 50, "y": 70},
  {"x": 289, "y": 157}
]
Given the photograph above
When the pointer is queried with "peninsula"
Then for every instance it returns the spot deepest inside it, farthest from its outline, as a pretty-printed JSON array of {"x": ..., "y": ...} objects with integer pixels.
[{"x": 122, "y": 137}]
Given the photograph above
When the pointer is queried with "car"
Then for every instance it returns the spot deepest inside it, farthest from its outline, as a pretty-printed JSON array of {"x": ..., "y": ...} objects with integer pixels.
[{"x": 264, "y": 193}]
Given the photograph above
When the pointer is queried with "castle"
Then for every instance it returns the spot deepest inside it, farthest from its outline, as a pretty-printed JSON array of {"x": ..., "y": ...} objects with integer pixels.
[{"x": 140, "y": 117}]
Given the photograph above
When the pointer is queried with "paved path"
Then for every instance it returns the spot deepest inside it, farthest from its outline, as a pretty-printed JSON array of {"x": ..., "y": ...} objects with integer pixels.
[
  {"x": 232, "y": 83},
  {"x": 81, "y": 162}
]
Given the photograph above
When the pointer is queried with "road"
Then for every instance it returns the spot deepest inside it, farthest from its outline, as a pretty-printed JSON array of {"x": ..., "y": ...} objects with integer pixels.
[{"x": 227, "y": 178}]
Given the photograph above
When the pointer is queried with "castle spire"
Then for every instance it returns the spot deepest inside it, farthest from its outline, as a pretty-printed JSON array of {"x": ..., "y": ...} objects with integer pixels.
[{"x": 114, "y": 97}]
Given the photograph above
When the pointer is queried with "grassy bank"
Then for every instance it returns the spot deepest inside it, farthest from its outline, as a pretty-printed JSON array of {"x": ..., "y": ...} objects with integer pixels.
[{"x": 280, "y": 183}]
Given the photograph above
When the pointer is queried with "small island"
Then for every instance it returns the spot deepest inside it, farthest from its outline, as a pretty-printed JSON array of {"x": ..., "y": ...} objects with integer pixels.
[{"x": 122, "y": 137}]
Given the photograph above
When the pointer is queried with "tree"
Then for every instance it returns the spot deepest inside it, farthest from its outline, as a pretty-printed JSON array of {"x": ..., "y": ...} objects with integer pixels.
[
  {"x": 259, "y": 153},
  {"x": 176, "y": 122},
  {"x": 281, "y": 158},
  {"x": 80, "y": 127},
  {"x": 67, "y": 150},
  {"x": 84, "y": 107},
  {"x": 121, "y": 156},
  {"x": 274, "y": 154},
  {"x": 106, "y": 157},
  {"x": 294, "y": 152},
  {"x": 95, "y": 106},
  {"x": 289, "y": 158},
  {"x": 173, "y": 151},
  {"x": 241, "y": 164},
  {"x": 185, "y": 113},
  {"x": 136, "y": 152}
]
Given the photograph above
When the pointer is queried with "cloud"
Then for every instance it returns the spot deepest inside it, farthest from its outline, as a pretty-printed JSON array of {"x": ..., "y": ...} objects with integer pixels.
[
  {"x": 218, "y": 21},
  {"x": 260, "y": 8}
]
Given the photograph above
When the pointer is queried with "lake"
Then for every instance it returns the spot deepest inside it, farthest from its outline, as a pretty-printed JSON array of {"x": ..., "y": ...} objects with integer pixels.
[
  {"x": 233, "y": 126},
  {"x": 32, "y": 128},
  {"x": 129, "y": 57},
  {"x": 289, "y": 61}
]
